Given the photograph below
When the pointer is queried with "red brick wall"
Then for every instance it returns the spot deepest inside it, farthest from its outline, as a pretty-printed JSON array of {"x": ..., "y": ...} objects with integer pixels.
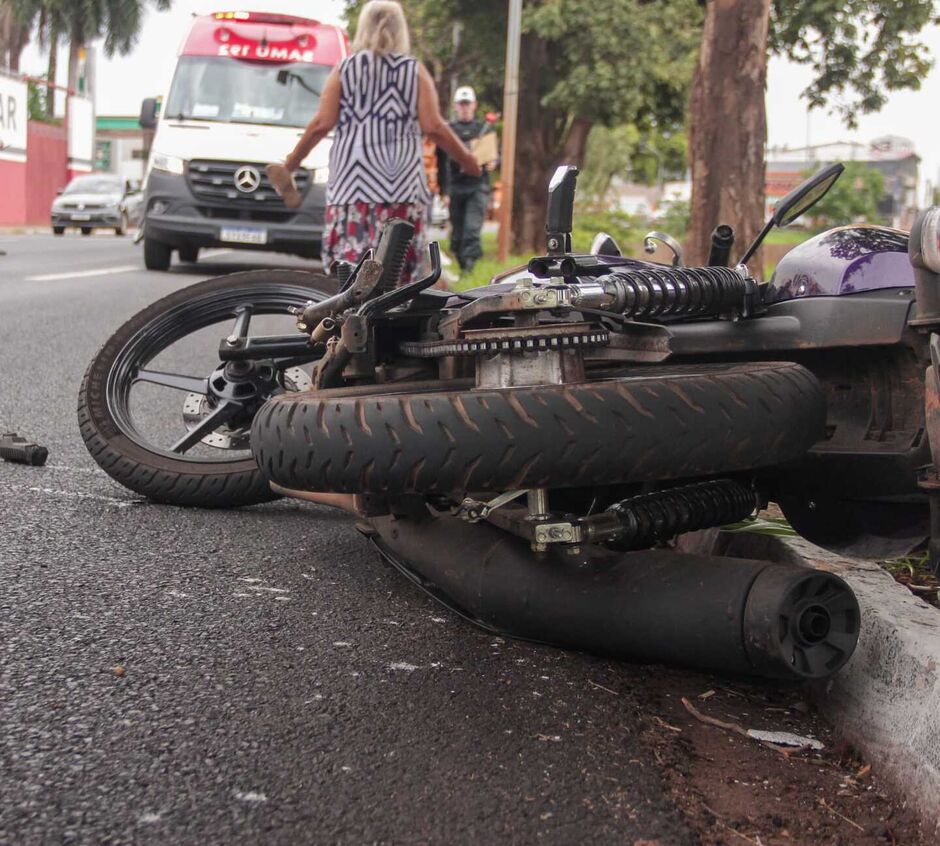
[
  {"x": 46, "y": 169},
  {"x": 12, "y": 193}
]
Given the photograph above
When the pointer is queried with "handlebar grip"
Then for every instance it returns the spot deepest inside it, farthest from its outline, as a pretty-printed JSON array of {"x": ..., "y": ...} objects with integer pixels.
[
  {"x": 393, "y": 245},
  {"x": 19, "y": 450}
]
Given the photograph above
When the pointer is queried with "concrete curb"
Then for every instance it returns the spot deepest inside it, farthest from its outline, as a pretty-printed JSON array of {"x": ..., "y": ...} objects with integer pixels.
[{"x": 886, "y": 700}]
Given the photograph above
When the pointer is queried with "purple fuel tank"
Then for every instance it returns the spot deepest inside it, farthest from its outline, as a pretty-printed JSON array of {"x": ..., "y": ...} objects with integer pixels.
[{"x": 847, "y": 260}]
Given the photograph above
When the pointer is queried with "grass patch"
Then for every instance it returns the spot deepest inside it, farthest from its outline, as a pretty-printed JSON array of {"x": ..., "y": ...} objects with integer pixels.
[
  {"x": 790, "y": 237},
  {"x": 776, "y": 526},
  {"x": 913, "y": 571},
  {"x": 487, "y": 267}
]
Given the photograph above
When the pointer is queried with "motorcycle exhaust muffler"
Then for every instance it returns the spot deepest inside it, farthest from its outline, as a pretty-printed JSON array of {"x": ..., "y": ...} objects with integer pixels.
[{"x": 731, "y": 615}]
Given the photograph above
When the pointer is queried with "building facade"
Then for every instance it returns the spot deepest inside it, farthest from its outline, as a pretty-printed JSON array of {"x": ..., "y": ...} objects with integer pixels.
[
  {"x": 892, "y": 155},
  {"x": 121, "y": 147}
]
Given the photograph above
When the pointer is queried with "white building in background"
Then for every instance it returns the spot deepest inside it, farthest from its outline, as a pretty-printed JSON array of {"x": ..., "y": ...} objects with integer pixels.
[
  {"x": 893, "y": 155},
  {"x": 121, "y": 147}
]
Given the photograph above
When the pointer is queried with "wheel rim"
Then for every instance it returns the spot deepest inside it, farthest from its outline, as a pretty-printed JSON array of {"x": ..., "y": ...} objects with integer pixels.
[{"x": 172, "y": 326}]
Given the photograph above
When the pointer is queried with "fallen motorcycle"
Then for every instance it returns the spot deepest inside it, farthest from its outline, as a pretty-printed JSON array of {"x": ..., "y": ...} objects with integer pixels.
[{"x": 529, "y": 451}]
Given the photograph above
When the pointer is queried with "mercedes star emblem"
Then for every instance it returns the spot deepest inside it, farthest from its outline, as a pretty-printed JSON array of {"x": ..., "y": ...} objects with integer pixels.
[{"x": 247, "y": 179}]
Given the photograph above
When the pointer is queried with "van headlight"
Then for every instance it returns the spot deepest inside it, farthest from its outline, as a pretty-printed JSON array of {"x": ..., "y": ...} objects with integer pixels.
[
  {"x": 930, "y": 239},
  {"x": 170, "y": 164},
  {"x": 321, "y": 176}
]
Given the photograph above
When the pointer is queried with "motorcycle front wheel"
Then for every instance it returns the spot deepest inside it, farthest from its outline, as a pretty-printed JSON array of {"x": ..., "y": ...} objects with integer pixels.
[{"x": 159, "y": 412}]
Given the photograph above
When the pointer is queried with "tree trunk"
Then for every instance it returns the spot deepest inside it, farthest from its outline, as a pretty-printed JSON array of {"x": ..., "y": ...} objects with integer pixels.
[
  {"x": 75, "y": 48},
  {"x": 576, "y": 139},
  {"x": 546, "y": 139},
  {"x": 728, "y": 126},
  {"x": 52, "y": 73},
  {"x": 19, "y": 38}
]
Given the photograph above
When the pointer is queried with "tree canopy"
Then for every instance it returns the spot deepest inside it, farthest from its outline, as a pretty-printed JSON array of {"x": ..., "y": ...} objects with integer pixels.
[
  {"x": 584, "y": 63},
  {"x": 117, "y": 21},
  {"x": 588, "y": 63},
  {"x": 853, "y": 198},
  {"x": 860, "y": 50}
]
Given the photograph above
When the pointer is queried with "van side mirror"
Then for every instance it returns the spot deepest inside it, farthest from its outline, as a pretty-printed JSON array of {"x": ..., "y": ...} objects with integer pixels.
[
  {"x": 560, "y": 218},
  {"x": 148, "y": 113}
]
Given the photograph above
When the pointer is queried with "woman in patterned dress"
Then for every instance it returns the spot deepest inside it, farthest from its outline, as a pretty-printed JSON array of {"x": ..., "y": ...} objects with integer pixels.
[{"x": 380, "y": 101}]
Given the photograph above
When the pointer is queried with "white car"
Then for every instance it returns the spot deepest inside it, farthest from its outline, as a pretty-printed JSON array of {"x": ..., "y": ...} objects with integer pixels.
[{"x": 97, "y": 201}]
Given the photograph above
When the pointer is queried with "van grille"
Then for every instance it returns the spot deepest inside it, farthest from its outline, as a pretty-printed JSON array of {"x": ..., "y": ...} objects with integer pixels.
[
  {"x": 262, "y": 215},
  {"x": 212, "y": 180}
]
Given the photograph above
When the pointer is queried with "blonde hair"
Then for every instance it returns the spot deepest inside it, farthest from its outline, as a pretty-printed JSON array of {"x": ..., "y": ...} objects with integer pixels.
[{"x": 382, "y": 28}]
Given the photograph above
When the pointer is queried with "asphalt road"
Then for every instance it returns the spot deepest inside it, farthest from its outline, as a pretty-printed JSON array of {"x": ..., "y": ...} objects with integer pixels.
[{"x": 259, "y": 676}]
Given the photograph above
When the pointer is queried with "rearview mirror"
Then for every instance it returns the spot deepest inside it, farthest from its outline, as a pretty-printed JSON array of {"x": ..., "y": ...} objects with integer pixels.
[
  {"x": 148, "y": 113},
  {"x": 802, "y": 198}
]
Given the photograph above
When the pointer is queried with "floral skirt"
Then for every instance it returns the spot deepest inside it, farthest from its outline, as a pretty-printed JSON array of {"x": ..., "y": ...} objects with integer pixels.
[{"x": 354, "y": 228}]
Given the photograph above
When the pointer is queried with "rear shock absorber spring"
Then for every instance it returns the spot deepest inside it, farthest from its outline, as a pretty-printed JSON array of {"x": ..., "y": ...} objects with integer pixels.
[
  {"x": 674, "y": 291},
  {"x": 642, "y": 521}
]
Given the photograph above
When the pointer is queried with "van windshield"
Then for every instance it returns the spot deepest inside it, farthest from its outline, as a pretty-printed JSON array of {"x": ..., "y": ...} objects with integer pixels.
[{"x": 233, "y": 91}]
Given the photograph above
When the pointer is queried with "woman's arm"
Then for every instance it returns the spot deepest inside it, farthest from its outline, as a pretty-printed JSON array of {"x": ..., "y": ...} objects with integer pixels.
[
  {"x": 323, "y": 121},
  {"x": 435, "y": 127}
]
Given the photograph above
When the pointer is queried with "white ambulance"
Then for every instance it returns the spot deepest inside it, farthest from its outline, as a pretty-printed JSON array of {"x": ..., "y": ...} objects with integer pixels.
[{"x": 246, "y": 84}]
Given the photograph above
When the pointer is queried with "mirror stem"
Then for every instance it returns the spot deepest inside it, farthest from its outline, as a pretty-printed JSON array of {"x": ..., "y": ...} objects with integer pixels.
[{"x": 757, "y": 241}]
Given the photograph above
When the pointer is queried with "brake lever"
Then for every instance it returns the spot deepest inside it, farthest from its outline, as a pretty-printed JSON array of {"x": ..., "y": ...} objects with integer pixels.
[
  {"x": 397, "y": 296},
  {"x": 363, "y": 284},
  {"x": 350, "y": 280}
]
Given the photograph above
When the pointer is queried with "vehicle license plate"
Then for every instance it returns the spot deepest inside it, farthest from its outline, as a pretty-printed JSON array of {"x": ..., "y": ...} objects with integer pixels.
[
  {"x": 243, "y": 235},
  {"x": 81, "y": 217}
]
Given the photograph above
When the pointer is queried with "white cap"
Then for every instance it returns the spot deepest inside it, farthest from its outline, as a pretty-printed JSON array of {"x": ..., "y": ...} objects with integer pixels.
[{"x": 465, "y": 94}]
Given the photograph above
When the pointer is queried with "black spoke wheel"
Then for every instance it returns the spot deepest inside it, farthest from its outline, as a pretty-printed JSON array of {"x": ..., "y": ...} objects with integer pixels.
[{"x": 203, "y": 459}]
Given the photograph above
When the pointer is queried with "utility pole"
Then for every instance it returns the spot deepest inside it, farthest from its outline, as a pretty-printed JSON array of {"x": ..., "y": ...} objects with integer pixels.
[{"x": 510, "y": 120}]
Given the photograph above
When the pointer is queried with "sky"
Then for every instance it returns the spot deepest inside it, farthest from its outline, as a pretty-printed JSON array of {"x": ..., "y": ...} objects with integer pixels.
[{"x": 124, "y": 81}]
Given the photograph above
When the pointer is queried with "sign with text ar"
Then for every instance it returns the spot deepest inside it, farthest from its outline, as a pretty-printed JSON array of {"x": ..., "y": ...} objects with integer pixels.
[{"x": 14, "y": 116}]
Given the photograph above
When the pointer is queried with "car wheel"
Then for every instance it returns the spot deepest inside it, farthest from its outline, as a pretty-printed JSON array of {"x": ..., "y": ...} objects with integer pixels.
[
  {"x": 121, "y": 229},
  {"x": 86, "y": 230},
  {"x": 189, "y": 253},
  {"x": 58, "y": 230},
  {"x": 157, "y": 254}
]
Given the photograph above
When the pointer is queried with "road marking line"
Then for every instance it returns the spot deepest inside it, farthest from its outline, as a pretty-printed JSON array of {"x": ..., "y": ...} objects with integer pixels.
[
  {"x": 110, "y": 500},
  {"x": 215, "y": 253},
  {"x": 83, "y": 274},
  {"x": 56, "y": 492}
]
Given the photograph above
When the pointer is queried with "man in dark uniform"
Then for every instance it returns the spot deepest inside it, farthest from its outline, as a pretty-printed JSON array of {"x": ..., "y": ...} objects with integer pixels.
[{"x": 468, "y": 195}]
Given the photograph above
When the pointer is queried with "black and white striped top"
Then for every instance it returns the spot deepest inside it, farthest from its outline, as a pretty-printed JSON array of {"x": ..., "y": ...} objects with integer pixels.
[{"x": 376, "y": 153}]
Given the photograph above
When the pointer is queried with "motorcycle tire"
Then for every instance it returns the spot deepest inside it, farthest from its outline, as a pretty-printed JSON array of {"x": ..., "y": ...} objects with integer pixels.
[
  {"x": 153, "y": 472},
  {"x": 644, "y": 424}
]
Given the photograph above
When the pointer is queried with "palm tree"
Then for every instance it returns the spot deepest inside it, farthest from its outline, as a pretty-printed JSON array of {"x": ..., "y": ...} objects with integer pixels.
[
  {"x": 14, "y": 36},
  {"x": 81, "y": 21}
]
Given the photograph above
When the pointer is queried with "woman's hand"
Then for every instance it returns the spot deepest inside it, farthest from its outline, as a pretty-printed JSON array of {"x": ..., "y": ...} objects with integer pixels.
[
  {"x": 283, "y": 182},
  {"x": 471, "y": 166}
]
